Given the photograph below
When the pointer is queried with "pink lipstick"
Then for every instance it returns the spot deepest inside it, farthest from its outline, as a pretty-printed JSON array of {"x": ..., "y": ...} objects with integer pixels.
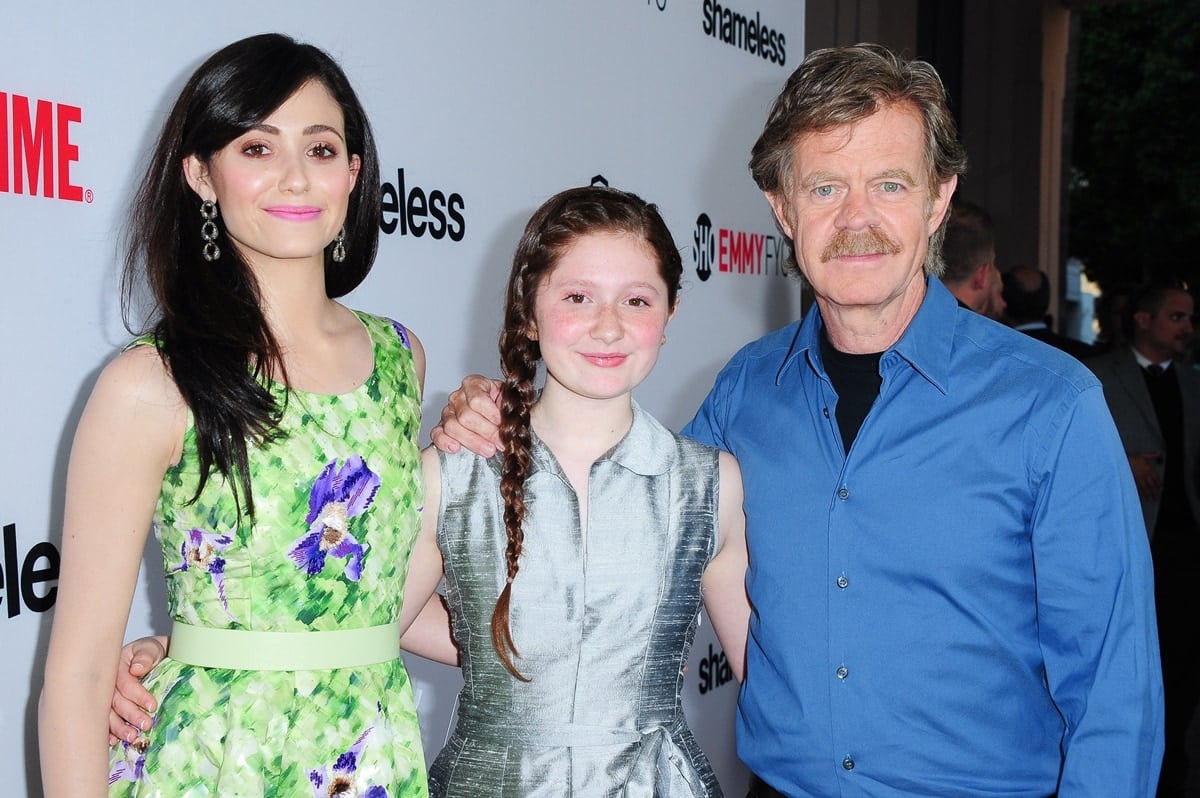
[{"x": 294, "y": 213}]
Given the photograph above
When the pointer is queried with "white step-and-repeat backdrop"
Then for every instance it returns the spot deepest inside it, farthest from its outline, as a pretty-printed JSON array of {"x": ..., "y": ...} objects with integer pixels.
[{"x": 481, "y": 110}]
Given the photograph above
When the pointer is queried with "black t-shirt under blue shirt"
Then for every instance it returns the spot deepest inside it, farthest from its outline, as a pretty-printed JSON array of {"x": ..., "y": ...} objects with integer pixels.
[{"x": 856, "y": 381}]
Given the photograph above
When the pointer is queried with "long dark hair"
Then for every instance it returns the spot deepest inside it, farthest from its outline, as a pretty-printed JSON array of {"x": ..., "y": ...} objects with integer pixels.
[
  {"x": 208, "y": 322},
  {"x": 553, "y": 228}
]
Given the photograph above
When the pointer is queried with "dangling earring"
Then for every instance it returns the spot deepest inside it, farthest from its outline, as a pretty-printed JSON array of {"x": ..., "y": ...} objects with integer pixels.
[
  {"x": 209, "y": 231},
  {"x": 339, "y": 247}
]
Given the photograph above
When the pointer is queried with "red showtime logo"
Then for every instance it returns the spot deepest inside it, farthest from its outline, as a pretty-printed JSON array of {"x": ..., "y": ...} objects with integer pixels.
[
  {"x": 36, "y": 147},
  {"x": 734, "y": 251}
]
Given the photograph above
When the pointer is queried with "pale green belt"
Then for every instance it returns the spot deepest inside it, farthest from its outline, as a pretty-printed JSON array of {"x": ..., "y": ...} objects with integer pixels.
[{"x": 284, "y": 651}]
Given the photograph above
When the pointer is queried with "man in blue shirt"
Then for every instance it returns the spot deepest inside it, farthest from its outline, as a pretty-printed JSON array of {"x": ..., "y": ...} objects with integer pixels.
[{"x": 950, "y": 575}]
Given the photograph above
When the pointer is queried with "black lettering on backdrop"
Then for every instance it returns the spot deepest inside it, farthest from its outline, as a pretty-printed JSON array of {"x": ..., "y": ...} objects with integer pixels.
[
  {"x": 714, "y": 671},
  {"x": 743, "y": 32},
  {"x": 415, "y": 212},
  {"x": 18, "y": 575}
]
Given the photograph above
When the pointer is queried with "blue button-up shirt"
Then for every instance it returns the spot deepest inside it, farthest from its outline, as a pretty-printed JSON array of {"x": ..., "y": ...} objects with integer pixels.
[{"x": 962, "y": 605}]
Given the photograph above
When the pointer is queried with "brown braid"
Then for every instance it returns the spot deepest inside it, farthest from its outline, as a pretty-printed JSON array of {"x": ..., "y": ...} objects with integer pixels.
[
  {"x": 551, "y": 230},
  {"x": 517, "y": 396}
]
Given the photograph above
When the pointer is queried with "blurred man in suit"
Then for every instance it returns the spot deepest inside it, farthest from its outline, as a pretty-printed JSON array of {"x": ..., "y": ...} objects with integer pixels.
[
  {"x": 1027, "y": 299},
  {"x": 969, "y": 251},
  {"x": 1154, "y": 396}
]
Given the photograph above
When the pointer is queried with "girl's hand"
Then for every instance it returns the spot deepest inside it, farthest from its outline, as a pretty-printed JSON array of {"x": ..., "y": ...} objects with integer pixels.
[{"x": 132, "y": 704}]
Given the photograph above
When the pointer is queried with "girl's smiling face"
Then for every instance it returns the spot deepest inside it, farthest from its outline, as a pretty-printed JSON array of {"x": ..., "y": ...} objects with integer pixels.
[{"x": 600, "y": 315}]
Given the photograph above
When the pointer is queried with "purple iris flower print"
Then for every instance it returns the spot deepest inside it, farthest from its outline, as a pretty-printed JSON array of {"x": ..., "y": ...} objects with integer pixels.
[
  {"x": 336, "y": 497},
  {"x": 402, "y": 332},
  {"x": 132, "y": 764},
  {"x": 203, "y": 550},
  {"x": 331, "y": 782}
]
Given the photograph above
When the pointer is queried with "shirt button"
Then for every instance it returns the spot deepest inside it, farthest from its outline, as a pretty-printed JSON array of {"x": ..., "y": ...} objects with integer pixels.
[
  {"x": 848, "y": 763},
  {"x": 825, "y": 410},
  {"x": 843, "y": 582},
  {"x": 843, "y": 672},
  {"x": 844, "y": 493}
]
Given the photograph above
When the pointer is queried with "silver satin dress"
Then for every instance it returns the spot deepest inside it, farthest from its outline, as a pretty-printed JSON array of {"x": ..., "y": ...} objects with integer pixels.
[{"x": 603, "y": 623}]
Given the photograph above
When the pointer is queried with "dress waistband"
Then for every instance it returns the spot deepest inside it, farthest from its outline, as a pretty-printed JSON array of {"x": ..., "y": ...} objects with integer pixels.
[
  {"x": 284, "y": 651},
  {"x": 571, "y": 735}
]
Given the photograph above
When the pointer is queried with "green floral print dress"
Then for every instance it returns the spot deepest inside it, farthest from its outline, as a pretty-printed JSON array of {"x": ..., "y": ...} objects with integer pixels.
[{"x": 337, "y": 508}]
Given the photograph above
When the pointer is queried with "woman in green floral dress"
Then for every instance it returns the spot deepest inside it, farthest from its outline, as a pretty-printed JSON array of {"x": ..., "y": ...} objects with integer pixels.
[{"x": 268, "y": 435}]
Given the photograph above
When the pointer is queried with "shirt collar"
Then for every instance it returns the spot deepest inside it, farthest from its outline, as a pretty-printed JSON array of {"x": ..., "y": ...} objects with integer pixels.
[
  {"x": 926, "y": 343},
  {"x": 648, "y": 449},
  {"x": 1144, "y": 361}
]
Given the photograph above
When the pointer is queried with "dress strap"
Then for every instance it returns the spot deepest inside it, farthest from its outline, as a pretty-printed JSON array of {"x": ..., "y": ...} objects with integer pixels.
[{"x": 284, "y": 651}]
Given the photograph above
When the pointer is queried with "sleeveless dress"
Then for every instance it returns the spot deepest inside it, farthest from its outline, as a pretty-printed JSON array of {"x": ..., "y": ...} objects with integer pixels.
[
  {"x": 603, "y": 623},
  {"x": 338, "y": 502}
]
